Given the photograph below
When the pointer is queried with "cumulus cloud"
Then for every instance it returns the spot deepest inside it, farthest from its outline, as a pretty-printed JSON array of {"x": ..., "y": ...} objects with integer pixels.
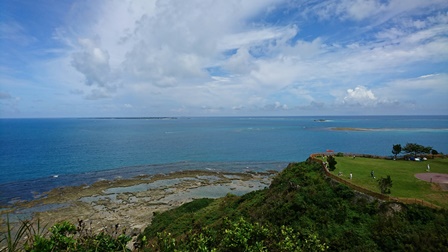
[
  {"x": 93, "y": 63},
  {"x": 207, "y": 57},
  {"x": 240, "y": 63},
  {"x": 243, "y": 56},
  {"x": 360, "y": 96}
]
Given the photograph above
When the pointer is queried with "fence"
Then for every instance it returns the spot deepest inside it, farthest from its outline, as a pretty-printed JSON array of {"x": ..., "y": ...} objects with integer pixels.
[{"x": 364, "y": 190}]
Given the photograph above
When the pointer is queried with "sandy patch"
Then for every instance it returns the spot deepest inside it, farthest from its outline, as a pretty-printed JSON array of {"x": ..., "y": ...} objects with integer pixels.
[
  {"x": 433, "y": 177},
  {"x": 440, "y": 178}
]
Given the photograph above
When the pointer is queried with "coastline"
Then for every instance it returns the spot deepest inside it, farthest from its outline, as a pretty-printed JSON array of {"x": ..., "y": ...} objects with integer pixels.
[{"x": 131, "y": 203}]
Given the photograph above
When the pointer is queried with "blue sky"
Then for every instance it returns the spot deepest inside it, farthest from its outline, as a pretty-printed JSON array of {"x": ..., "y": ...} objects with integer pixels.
[{"x": 223, "y": 58}]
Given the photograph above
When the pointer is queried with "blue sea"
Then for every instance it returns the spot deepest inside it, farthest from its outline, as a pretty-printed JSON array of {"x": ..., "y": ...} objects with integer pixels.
[{"x": 37, "y": 155}]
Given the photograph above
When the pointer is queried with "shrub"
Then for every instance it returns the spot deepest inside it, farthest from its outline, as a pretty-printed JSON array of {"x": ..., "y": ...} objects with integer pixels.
[
  {"x": 63, "y": 236},
  {"x": 385, "y": 184},
  {"x": 331, "y": 163}
]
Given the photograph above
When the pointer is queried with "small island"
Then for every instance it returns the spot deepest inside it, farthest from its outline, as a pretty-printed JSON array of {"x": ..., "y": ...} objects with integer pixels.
[{"x": 350, "y": 129}]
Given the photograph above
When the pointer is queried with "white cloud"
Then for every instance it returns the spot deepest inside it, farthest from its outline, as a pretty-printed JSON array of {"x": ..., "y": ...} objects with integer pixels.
[
  {"x": 96, "y": 94},
  {"x": 241, "y": 62},
  {"x": 241, "y": 56},
  {"x": 381, "y": 11},
  {"x": 172, "y": 45},
  {"x": 360, "y": 9},
  {"x": 360, "y": 96},
  {"x": 419, "y": 88},
  {"x": 93, "y": 63}
]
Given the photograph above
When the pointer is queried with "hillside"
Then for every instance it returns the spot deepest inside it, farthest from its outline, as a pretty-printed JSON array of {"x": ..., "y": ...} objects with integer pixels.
[{"x": 302, "y": 210}]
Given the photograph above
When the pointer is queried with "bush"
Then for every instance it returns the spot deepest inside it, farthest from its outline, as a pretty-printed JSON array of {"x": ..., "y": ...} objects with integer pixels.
[
  {"x": 385, "y": 184},
  {"x": 331, "y": 163},
  {"x": 64, "y": 236}
]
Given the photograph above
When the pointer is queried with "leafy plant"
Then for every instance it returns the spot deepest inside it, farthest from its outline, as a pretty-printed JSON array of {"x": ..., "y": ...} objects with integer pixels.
[
  {"x": 14, "y": 238},
  {"x": 415, "y": 149},
  {"x": 241, "y": 235},
  {"x": 331, "y": 163},
  {"x": 396, "y": 149},
  {"x": 63, "y": 236},
  {"x": 385, "y": 184}
]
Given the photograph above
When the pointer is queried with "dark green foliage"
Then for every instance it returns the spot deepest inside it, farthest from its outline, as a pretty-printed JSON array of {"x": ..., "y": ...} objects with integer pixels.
[
  {"x": 416, "y": 149},
  {"x": 396, "y": 149},
  {"x": 385, "y": 184},
  {"x": 239, "y": 235},
  {"x": 331, "y": 163},
  {"x": 416, "y": 228},
  {"x": 300, "y": 208},
  {"x": 343, "y": 191},
  {"x": 179, "y": 218},
  {"x": 65, "y": 236}
]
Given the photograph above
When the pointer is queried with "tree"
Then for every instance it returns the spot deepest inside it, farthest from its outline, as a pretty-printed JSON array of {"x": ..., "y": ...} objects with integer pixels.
[
  {"x": 331, "y": 163},
  {"x": 385, "y": 184},
  {"x": 396, "y": 149},
  {"x": 415, "y": 149}
]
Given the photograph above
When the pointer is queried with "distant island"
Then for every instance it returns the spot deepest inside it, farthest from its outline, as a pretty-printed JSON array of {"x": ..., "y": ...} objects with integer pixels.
[
  {"x": 134, "y": 118},
  {"x": 350, "y": 129}
]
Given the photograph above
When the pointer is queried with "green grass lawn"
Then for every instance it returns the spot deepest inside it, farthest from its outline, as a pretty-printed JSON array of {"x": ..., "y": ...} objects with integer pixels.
[{"x": 404, "y": 183}]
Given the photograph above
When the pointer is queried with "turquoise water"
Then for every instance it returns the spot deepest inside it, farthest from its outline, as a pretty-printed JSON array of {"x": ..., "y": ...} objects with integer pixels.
[{"x": 39, "y": 154}]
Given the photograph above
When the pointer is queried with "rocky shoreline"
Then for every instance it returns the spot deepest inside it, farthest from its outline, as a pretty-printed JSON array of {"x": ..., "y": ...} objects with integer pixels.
[{"x": 131, "y": 203}]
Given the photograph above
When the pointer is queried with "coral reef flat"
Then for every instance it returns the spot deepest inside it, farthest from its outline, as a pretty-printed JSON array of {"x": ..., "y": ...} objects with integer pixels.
[{"x": 131, "y": 203}]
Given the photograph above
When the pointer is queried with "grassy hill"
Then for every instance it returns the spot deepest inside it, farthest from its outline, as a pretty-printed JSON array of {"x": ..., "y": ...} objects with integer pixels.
[{"x": 302, "y": 210}]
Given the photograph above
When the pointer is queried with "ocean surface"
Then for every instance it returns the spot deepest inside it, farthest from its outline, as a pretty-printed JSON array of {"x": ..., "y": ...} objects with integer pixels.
[{"x": 37, "y": 155}]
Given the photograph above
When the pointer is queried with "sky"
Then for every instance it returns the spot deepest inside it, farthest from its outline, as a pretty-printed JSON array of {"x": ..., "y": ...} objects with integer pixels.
[{"x": 94, "y": 58}]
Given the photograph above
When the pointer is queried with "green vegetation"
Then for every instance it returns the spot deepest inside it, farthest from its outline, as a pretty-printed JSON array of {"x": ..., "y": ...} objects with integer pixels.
[
  {"x": 417, "y": 149},
  {"x": 63, "y": 236},
  {"x": 331, "y": 163},
  {"x": 396, "y": 149},
  {"x": 302, "y": 210},
  {"x": 385, "y": 184},
  {"x": 413, "y": 150},
  {"x": 402, "y": 172}
]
